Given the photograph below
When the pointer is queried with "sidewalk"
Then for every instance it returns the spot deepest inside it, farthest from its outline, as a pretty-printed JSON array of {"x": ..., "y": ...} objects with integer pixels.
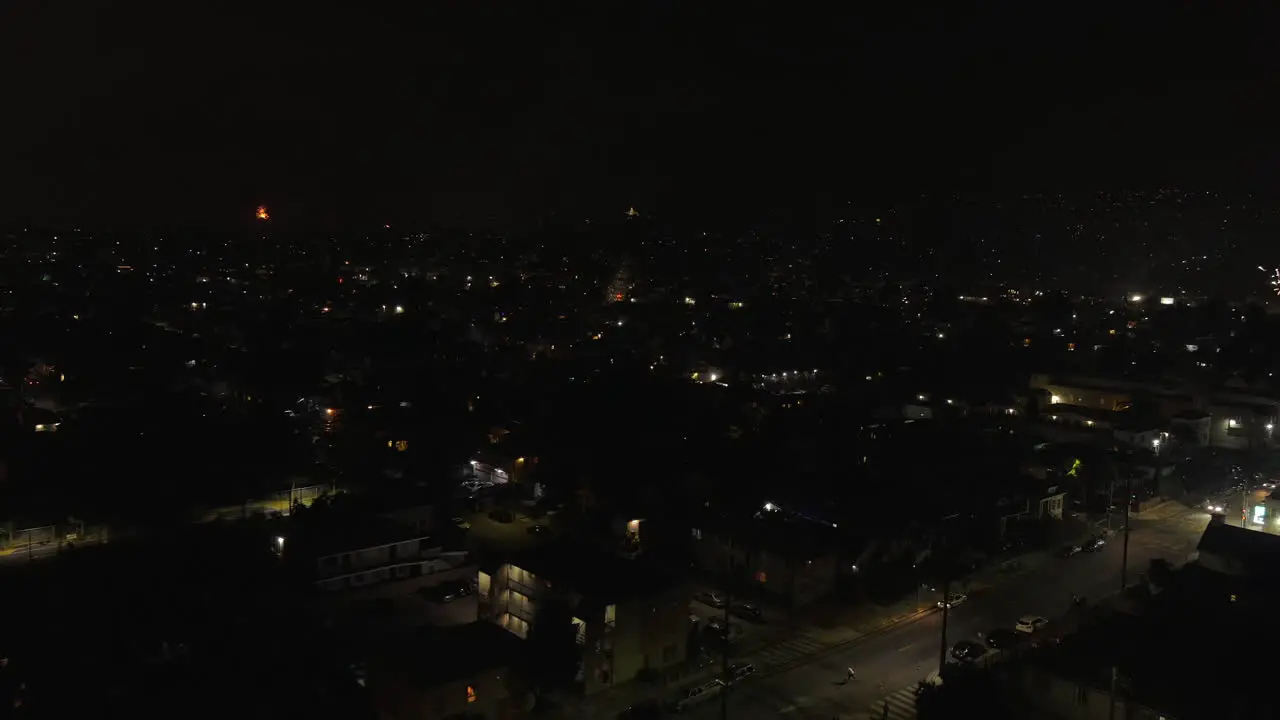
[
  {"x": 830, "y": 627},
  {"x": 827, "y": 626}
]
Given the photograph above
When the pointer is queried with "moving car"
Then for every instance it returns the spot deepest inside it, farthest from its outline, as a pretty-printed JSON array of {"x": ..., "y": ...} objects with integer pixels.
[
  {"x": 1094, "y": 544},
  {"x": 738, "y": 671},
  {"x": 967, "y": 650},
  {"x": 953, "y": 600},
  {"x": 1215, "y": 506},
  {"x": 1030, "y": 623}
]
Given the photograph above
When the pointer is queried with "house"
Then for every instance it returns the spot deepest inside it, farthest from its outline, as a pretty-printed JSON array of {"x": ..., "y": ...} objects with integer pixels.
[
  {"x": 468, "y": 671},
  {"x": 1239, "y": 552},
  {"x": 788, "y": 557},
  {"x": 631, "y": 615}
]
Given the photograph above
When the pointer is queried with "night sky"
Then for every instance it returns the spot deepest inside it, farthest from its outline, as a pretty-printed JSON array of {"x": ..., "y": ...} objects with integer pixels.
[{"x": 126, "y": 113}]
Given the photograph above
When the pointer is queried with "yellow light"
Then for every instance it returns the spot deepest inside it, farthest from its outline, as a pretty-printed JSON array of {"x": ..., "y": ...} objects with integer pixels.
[
  {"x": 262, "y": 213},
  {"x": 329, "y": 411}
]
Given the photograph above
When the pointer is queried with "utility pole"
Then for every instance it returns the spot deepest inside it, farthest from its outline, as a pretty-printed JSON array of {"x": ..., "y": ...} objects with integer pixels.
[
  {"x": 724, "y": 646},
  {"x": 1115, "y": 682},
  {"x": 946, "y": 610},
  {"x": 1111, "y": 500},
  {"x": 1124, "y": 555}
]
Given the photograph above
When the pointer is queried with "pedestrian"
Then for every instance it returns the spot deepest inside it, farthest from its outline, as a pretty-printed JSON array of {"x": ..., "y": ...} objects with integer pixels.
[{"x": 851, "y": 674}]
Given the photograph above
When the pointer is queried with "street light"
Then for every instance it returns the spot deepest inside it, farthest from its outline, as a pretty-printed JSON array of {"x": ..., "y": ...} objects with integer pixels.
[{"x": 280, "y": 544}]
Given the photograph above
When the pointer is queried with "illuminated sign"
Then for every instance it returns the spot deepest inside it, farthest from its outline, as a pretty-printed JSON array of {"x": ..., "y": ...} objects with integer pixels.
[{"x": 1259, "y": 514}]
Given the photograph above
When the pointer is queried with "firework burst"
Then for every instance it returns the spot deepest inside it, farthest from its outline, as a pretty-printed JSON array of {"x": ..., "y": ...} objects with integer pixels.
[{"x": 1273, "y": 278}]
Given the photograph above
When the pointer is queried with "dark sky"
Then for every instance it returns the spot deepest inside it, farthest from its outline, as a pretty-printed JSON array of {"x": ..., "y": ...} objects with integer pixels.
[{"x": 197, "y": 111}]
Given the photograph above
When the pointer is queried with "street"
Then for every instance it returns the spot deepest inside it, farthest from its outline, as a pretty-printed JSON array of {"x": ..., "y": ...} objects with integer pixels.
[{"x": 812, "y": 686}]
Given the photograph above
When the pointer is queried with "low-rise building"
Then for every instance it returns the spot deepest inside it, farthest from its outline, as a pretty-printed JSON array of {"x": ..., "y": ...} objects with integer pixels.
[
  {"x": 631, "y": 616},
  {"x": 468, "y": 671},
  {"x": 343, "y": 553}
]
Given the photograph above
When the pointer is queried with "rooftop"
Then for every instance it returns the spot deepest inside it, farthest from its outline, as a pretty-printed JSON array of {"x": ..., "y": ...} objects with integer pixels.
[
  {"x": 437, "y": 655},
  {"x": 1258, "y": 550},
  {"x": 597, "y": 574},
  {"x": 340, "y": 532}
]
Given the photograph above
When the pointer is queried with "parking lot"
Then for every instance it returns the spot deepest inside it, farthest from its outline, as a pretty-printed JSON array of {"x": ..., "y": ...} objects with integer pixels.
[
  {"x": 507, "y": 536},
  {"x": 747, "y": 631}
]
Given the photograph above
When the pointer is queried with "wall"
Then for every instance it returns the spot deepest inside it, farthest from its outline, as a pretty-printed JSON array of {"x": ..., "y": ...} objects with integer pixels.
[
  {"x": 1065, "y": 699},
  {"x": 647, "y": 633},
  {"x": 1084, "y": 397}
]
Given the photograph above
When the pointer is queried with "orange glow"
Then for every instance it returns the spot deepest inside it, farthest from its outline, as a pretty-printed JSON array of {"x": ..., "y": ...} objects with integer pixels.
[{"x": 262, "y": 213}]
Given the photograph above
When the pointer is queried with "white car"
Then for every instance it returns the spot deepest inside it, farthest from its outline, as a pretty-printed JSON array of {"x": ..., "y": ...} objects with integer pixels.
[
  {"x": 1215, "y": 507},
  {"x": 1030, "y": 623},
  {"x": 953, "y": 600}
]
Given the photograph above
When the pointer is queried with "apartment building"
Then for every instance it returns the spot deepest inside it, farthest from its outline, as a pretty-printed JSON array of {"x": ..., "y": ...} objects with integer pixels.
[{"x": 631, "y": 616}]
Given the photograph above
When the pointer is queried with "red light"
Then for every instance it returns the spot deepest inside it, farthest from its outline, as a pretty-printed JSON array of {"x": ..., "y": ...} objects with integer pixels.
[
  {"x": 339, "y": 281},
  {"x": 617, "y": 296}
]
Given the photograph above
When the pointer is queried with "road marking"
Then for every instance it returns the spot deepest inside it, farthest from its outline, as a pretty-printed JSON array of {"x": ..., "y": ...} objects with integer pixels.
[
  {"x": 902, "y": 705},
  {"x": 904, "y": 648}
]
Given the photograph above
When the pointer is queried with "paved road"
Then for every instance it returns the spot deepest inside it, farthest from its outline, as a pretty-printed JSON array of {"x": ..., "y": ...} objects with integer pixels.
[{"x": 895, "y": 659}]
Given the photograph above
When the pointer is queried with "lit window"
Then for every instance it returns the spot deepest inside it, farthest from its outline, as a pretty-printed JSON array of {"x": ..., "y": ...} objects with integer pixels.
[
  {"x": 471, "y": 694},
  {"x": 402, "y": 445},
  {"x": 1233, "y": 423}
]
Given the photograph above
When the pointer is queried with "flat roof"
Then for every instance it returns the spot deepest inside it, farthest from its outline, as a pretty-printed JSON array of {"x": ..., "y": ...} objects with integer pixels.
[
  {"x": 594, "y": 573},
  {"x": 437, "y": 655}
]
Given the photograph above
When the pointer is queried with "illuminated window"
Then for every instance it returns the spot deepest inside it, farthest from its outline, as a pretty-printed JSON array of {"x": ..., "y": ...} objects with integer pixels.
[
  {"x": 402, "y": 445},
  {"x": 471, "y": 694},
  {"x": 1233, "y": 423}
]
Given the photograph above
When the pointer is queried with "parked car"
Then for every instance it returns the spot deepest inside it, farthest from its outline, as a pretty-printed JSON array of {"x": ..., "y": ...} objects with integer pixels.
[
  {"x": 967, "y": 650},
  {"x": 461, "y": 523},
  {"x": 447, "y": 592},
  {"x": 738, "y": 671},
  {"x": 1030, "y": 623},
  {"x": 708, "y": 597},
  {"x": 747, "y": 611},
  {"x": 1068, "y": 551},
  {"x": 1094, "y": 544},
  {"x": 953, "y": 600},
  {"x": 696, "y": 694},
  {"x": 1002, "y": 639},
  {"x": 643, "y": 710}
]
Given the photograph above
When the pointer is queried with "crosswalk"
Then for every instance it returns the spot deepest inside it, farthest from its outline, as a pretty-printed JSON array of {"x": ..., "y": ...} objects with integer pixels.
[
  {"x": 800, "y": 646},
  {"x": 902, "y": 706}
]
